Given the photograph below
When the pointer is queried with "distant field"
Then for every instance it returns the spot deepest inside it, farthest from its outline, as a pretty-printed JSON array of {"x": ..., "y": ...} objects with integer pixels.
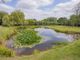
[{"x": 66, "y": 29}]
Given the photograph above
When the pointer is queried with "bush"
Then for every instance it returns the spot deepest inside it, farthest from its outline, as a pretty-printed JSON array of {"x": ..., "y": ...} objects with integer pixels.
[
  {"x": 5, "y": 52},
  {"x": 27, "y": 37}
]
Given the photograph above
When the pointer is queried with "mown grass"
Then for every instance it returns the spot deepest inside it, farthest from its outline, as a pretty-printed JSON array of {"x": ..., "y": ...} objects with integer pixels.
[{"x": 66, "y": 29}]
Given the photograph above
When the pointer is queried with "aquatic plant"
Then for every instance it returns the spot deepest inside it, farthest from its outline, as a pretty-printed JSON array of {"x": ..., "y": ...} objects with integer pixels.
[{"x": 27, "y": 37}]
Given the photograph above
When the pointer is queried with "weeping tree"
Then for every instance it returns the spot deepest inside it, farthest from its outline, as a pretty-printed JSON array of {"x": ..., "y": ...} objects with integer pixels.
[{"x": 17, "y": 17}]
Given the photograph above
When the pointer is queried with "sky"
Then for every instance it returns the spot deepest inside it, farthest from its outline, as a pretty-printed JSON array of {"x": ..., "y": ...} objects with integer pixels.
[{"x": 40, "y": 9}]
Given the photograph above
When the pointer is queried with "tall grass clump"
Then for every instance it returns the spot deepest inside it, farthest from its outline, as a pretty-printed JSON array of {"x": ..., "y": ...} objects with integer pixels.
[
  {"x": 27, "y": 37},
  {"x": 6, "y": 33},
  {"x": 5, "y": 52}
]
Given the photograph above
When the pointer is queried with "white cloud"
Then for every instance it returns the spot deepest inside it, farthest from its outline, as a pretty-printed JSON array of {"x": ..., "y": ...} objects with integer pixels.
[
  {"x": 65, "y": 9},
  {"x": 32, "y": 11},
  {"x": 31, "y": 8},
  {"x": 6, "y": 8},
  {"x": 31, "y": 4},
  {"x": 43, "y": 2}
]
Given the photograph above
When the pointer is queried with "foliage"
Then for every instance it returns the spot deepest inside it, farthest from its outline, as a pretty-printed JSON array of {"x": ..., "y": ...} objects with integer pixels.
[
  {"x": 30, "y": 21},
  {"x": 2, "y": 14},
  {"x": 62, "y": 21},
  {"x": 6, "y": 20},
  {"x": 17, "y": 17},
  {"x": 5, "y": 52},
  {"x": 49, "y": 21},
  {"x": 75, "y": 20},
  {"x": 27, "y": 37}
]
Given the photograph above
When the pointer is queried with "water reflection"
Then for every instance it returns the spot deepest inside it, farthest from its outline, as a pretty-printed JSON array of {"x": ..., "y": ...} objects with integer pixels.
[{"x": 49, "y": 34}]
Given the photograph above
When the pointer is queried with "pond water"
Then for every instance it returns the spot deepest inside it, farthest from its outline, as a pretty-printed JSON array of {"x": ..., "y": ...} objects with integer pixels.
[
  {"x": 52, "y": 36},
  {"x": 49, "y": 36}
]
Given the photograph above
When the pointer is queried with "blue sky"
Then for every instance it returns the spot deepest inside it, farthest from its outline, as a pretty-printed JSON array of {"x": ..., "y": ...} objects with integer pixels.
[
  {"x": 54, "y": 4},
  {"x": 40, "y": 9},
  {"x": 14, "y": 2}
]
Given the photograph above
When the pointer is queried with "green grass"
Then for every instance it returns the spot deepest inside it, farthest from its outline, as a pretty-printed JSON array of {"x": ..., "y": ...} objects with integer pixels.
[
  {"x": 66, "y": 29},
  {"x": 28, "y": 27},
  {"x": 5, "y": 52},
  {"x": 68, "y": 52},
  {"x": 6, "y": 33}
]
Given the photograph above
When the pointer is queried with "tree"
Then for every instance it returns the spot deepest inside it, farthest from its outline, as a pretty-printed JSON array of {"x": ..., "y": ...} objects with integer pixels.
[
  {"x": 77, "y": 13},
  {"x": 77, "y": 9},
  {"x": 17, "y": 17},
  {"x": 49, "y": 21},
  {"x": 62, "y": 21},
  {"x": 75, "y": 20},
  {"x": 2, "y": 14},
  {"x": 6, "y": 20},
  {"x": 31, "y": 21}
]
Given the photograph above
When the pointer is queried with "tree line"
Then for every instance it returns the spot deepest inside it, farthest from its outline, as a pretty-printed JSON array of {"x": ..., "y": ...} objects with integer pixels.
[
  {"x": 74, "y": 20},
  {"x": 17, "y": 18}
]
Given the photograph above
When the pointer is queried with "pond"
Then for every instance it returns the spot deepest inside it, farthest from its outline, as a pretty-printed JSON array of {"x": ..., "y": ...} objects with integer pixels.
[{"x": 49, "y": 36}]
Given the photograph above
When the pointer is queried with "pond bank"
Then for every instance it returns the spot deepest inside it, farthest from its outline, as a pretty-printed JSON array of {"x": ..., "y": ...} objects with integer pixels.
[{"x": 49, "y": 37}]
